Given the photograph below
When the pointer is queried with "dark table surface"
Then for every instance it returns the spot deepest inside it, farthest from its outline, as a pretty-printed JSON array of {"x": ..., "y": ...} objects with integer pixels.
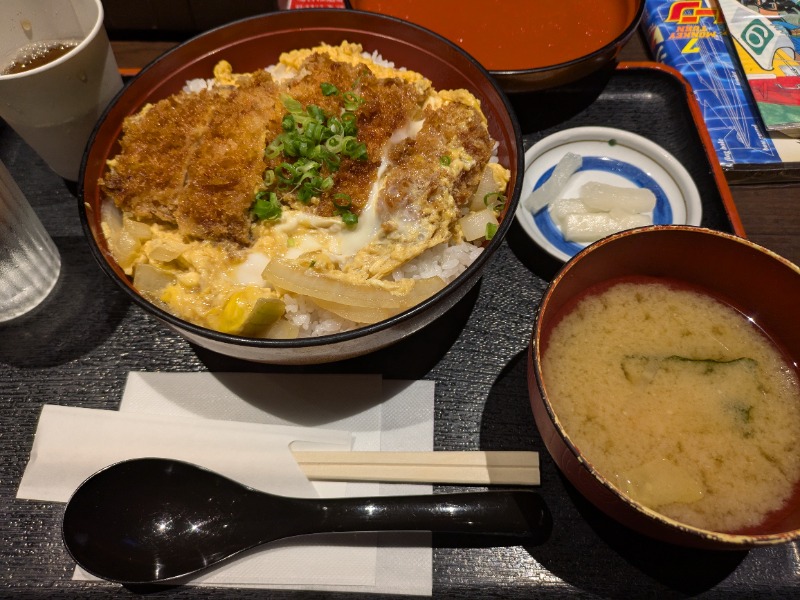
[{"x": 77, "y": 348}]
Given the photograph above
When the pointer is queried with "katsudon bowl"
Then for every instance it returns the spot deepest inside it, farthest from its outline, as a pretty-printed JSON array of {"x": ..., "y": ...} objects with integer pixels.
[{"x": 251, "y": 45}]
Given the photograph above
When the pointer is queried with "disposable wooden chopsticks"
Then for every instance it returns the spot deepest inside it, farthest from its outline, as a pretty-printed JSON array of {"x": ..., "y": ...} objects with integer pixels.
[{"x": 467, "y": 467}]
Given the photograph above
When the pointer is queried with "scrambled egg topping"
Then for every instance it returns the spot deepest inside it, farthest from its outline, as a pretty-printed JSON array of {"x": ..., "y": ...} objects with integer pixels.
[{"x": 180, "y": 218}]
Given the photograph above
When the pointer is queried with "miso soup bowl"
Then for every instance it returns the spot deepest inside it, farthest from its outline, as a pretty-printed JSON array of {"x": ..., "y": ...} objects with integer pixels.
[
  {"x": 256, "y": 43},
  {"x": 763, "y": 285}
]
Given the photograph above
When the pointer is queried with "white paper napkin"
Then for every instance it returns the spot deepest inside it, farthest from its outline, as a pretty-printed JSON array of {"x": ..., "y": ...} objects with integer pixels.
[
  {"x": 73, "y": 443},
  {"x": 380, "y": 415}
]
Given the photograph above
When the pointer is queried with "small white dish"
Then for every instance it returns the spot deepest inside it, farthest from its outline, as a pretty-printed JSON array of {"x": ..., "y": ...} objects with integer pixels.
[{"x": 611, "y": 156}]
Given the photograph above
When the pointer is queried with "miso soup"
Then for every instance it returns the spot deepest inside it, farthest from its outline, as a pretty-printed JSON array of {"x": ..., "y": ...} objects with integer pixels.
[{"x": 679, "y": 400}]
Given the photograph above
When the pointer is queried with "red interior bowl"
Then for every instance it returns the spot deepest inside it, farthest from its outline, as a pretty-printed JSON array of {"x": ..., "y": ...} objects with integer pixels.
[
  {"x": 526, "y": 46},
  {"x": 253, "y": 44},
  {"x": 755, "y": 280}
]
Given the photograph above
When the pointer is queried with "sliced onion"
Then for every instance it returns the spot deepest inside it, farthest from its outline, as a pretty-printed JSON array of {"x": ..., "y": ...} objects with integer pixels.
[
  {"x": 359, "y": 314},
  {"x": 486, "y": 186},
  {"x": 126, "y": 249},
  {"x": 128, "y": 243},
  {"x": 474, "y": 224},
  {"x": 165, "y": 250},
  {"x": 111, "y": 217},
  {"x": 424, "y": 288},
  {"x": 282, "y": 330},
  {"x": 136, "y": 229},
  {"x": 150, "y": 280},
  {"x": 301, "y": 280}
]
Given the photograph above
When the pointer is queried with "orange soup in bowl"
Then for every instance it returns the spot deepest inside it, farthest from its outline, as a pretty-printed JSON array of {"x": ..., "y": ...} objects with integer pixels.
[{"x": 512, "y": 35}]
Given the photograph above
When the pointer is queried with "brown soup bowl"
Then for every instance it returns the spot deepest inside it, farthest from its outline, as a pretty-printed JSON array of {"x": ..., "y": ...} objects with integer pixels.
[{"x": 763, "y": 285}]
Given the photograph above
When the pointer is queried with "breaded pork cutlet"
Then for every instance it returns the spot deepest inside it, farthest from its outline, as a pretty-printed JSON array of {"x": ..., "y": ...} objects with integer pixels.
[
  {"x": 146, "y": 177},
  {"x": 387, "y": 104},
  {"x": 225, "y": 171},
  {"x": 194, "y": 160}
]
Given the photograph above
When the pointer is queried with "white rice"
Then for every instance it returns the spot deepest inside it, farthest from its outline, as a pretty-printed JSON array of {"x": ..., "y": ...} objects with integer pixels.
[
  {"x": 280, "y": 72},
  {"x": 311, "y": 320},
  {"x": 198, "y": 85},
  {"x": 447, "y": 262}
]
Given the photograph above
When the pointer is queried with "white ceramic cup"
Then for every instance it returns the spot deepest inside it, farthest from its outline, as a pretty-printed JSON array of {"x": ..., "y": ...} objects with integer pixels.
[
  {"x": 54, "y": 107},
  {"x": 29, "y": 260}
]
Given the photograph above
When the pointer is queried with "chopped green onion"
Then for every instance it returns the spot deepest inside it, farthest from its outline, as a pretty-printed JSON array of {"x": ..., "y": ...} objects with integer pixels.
[
  {"x": 335, "y": 126},
  {"x": 324, "y": 155},
  {"x": 304, "y": 194},
  {"x": 315, "y": 112},
  {"x": 266, "y": 206},
  {"x": 497, "y": 199},
  {"x": 312, "y": 142},
  {"x": 355, "y": 149},
  {"x": 352, "y": 101},
  {"x": 288, "y": 123},
  {"x": 274, "y": 149},
  {"x": 304, "y": 165},
  {"x": 287, "y": 173},
  {"x": 348, "y": 202},
  {"x": 290, "y": 104},
  {"x": 290, "y": 143},
  {"x": 445, "y": 160},
  {"x": 349, "y": 218},
  {"x": 336, "y": 143},
  {"x": 349, "y": 121},
  {"x": 491, "y": 229},
  {"x": 315, "y": 131},
  {"x": 343, "y": 209},
  {"x": 328, "y": 89}
]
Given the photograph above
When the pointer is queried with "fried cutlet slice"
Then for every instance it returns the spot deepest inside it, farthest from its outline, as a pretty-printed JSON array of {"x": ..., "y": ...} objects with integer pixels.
[
  {"x": 195, "y": 160},
  {"x": 226, "y": 170},
  {"x": 146, "y": 176},
  {"x": 416, "y": 174},
  {"x": 463, "y": 130}
]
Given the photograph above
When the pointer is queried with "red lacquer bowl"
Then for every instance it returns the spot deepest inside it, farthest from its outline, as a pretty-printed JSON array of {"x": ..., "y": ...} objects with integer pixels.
[
  {"x": 255, "y": 43},
  {"x": 765, "y": 286},
  {"x": 527, "y": 46}
]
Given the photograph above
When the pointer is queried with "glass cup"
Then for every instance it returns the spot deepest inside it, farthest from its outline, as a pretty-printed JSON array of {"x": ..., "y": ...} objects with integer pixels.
[
  {"x": 29, "y": 260},
  {"x": 54, "y": 106}
]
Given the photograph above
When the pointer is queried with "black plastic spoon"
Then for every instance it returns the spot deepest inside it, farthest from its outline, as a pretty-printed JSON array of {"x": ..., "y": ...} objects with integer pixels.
[{"x": 152, "y": 520}]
